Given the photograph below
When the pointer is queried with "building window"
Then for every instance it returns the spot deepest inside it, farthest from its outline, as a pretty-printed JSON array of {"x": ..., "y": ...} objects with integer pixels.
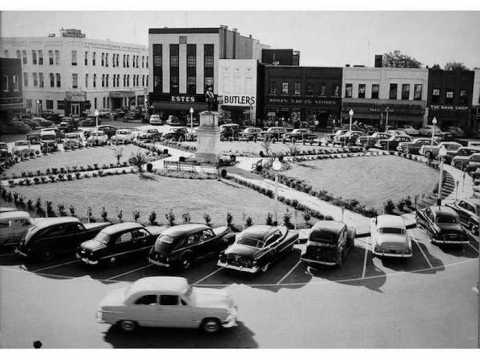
[
  {"x": 40, "y": 80},
  {"x": 35, "y": 79},
  {"x": 208, "y": 65},
  {"x": 417, "y": 92},
  {"x": 348, "y": 90},
  {"x": 94, "y": 58},
  {"x": 106, "y": 81},
  {"x": 86, "y": 80},
  {"x": 60, "y": 105},
  {"x": 297, "y": 88},
  {"x": 463, "y": 97},
  {"x": 102, "y": 63},
  {"x": 449, "y": 96},
  {"x": 57, "y": 57},
  {"x": 128, "y": 61},
  {"x": 143, "y": 62},
  {"x": 174, "y": 87},
  {"x": 103, "y": 80},
  {"x": 25, "y": 79},
  {"x": 393, "y": 92},
  {"x": 128, "y": 80},
  {"x": 52, "y": 80},
  {"x": 146, "y": 64},
  {"x": 74, "y": 57},
  {"x": 15, "y": 84},
  {"x": 323, "y": 90},
  {"x": 49, "y": 104},
  {"x": 34, "y": 57},
  {"x": 174, "y": 70},
  {"x": 5, "y": 83},
  {"x": 19, "y": 54},
  {"x": 405, "y": 91},
  {"x": 75, "y": 81},
  {"x": 94, "y": 80},
  {"x": 59, "y": 82},
  {"x": 173, "y": 55},
  {"x": 191, "y": 85},
  {"x": 103, "y": 103},
  {"x": 106, "y": 59},
  {"x": 50, "y": 57},
  {"x": 361, "y": 91},
  {"x": 285, "y": 88},
  {"x": 375, "y": 91},
  {"x": 40, "y": 57},
  {"x": 191, "y": 69},
  {"x": 191, "y": 55},
  {"x": 143, "y": 80},
  {"x": 24, "y": 56},
  {"x": 95, "y": 103},
  {"x": 86, "y": 58},
  {"x": 435, "y": 96}
]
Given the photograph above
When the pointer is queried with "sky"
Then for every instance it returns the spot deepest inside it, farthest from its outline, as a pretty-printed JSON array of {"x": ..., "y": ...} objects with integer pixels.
[{"x": 324, "y": 38}]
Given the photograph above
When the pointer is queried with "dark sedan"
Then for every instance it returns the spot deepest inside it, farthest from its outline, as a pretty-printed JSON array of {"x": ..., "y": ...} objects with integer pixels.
[
  {"x": 468, "y": 211},
  {"x": 442, "y": 224},
  {"x": 257, "y": 247},
  {"x": 117, "y": 241},
  {"x": 181, "y": 245}
]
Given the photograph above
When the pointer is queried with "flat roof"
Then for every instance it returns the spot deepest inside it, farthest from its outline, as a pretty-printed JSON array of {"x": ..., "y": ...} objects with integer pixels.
[{"x": 167, "y": 30}]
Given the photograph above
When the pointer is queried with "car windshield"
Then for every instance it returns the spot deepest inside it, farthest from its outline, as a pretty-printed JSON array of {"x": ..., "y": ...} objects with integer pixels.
[
  {"x": 252, "y": 240},
  {"x": 391, "y": 230},
  {"x": 451, "y": 146},
  {"x": 48, "y": 137},
  {"x": 446, "y": 219},
  {"x": 72, "y": 136},
  {"x": 103, "y": 237},
  {"x": 99, "y": 133},
  {"x": 22, "y": 143},
  {"x": 323, "y": 236}
]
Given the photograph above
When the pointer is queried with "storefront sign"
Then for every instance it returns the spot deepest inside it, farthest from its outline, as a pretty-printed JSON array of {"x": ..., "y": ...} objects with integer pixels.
[
  {"x": 182, "y": 99},
  {"x": 449, "y": 107},
  {"x": 302, "y": 101},
  {"x": 239, "y": 100}
]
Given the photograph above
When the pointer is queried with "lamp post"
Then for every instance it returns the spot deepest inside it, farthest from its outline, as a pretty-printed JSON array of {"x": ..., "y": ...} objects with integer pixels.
[
  {"x": 38, "y": 107},
  {"x": 387, "y": 110},
  {"x": 434, "y": 122},
  {"x": 276, "y": 166},
  {"x": 441, "y": 154},
  {"x": 350, "y": 113},
  {"x": 145, "y": 102},
  {"x": 96, "y": 119}
]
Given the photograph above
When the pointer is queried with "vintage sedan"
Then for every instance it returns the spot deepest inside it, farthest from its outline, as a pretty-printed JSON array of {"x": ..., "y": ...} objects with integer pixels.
[
  {"x": 167, "y": 301},
  {"x": 181, "y": 245},
  {"x": 13, "y": 225},
  {"x": 56, "y": 235},
  {"x": 97, "y": 138},
  {"x": 442, "y": 224},
  {"x": 73, "y": 141},
  {"x": 468, "y": 211},
  {"x": 257, "y": 247},
  {"x": 118, "y": 241},
  {"x": 413, "y": 147},
  {"x": 329, "y": 243},
  {"x": 250, "y": 133},
  {"x": 122, "y": 136},
  {"x": 460, "y": 154},
  {"x": 389, "y": 237},
  {"x": 368, "y": 141},
  {"x": 392, "y": 142}
]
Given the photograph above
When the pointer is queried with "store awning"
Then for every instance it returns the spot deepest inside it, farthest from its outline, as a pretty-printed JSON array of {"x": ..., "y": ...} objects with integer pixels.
[
  {"x": 122, "y": 94},
  {"x": 160, "y": 105}
]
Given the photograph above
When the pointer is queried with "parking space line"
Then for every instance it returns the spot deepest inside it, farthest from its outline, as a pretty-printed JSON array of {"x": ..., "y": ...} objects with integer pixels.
[
  {"x": 56, "y": 265},
  {"x": 207, "y": 276},
  {"x": 423, "y": 253},
  {"x": 288, "y": 273},
  {"x": 473, "y": 247},
  {"x": 129, "y": 272},
  {"x": 365, "y": 262}
]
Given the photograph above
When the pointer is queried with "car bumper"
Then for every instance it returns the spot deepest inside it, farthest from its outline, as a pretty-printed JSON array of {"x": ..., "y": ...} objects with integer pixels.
[
  {"x": 450, "y": 242},
  {"x": 313, "y": 262},
  {"x": 159, "y": 263},
  {"x": 251, "y": 270},
  {"x": 87, "y": 261},
  {"x": 393, "y": 255},
  {"x": 20, "y": 252}
]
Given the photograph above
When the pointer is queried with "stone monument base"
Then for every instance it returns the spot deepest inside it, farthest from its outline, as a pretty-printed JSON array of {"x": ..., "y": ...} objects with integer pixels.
[{"x": 208, "y": 135}]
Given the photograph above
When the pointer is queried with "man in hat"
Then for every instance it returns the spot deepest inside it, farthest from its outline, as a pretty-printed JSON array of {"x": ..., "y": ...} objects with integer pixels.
[{"x": 210, "y": 99}]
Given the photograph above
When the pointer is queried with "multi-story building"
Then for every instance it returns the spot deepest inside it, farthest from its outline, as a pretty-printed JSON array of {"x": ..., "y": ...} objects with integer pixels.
[
  {"x": 69, "y": 73},
  {"x": 450, "y": 97},
  {"x": 281, "y": 57},
  {"x": 185, "y": 63},
  {"x": 296, "y": 95},
  {"x": 11, "y": 99},
  {"x": 382, "y": 96},
  {"x": 476, "y": 100}
]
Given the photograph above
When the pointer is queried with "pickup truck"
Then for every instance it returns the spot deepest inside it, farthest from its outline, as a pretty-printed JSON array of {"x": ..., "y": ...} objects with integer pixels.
[
  {"x": 412, "y": 147},
  {"x": 429, "y": 150},
  {"x": 49, "y": 237}
]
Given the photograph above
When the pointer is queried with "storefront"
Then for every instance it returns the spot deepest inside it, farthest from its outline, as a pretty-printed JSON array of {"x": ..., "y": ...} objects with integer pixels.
[
  {"x": 76, "y": 103},
  {"x": 451, "y": 115},
  {"x": 122, "y": 99},
  {"x": 177, "y": 105}
]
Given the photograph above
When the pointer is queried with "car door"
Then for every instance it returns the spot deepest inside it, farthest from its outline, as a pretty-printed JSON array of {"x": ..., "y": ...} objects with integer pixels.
[
  {"x": 145, "y": 310},
  {"x": 462, "y": 211},
  {"x": 122, "y": 244},
  {"x": 60, "y": 238},
  {"x": 209, "y": 242},
  {"x": 142, "y": 239},
  {"x": 174, "y": 312}
]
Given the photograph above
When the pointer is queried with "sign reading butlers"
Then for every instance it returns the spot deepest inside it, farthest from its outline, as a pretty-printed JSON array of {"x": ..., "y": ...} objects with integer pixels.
[{"x": 239, "y": 100}]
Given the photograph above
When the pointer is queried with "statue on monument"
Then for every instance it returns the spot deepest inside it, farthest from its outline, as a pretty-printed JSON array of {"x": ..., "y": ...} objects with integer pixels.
[{"x": 210, "y": 99}]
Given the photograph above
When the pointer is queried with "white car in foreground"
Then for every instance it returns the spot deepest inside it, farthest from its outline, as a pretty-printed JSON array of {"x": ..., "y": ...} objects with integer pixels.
[
  {"x": 389, "y": 237},
  {"x": 122, "y": 136},
  {"x": 166, "y": 301}
]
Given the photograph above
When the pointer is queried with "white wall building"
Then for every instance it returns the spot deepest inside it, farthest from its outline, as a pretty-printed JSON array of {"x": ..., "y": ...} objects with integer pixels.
[
  {"x": 476, "y": 88},
  {"x": 70, "y": 73}
]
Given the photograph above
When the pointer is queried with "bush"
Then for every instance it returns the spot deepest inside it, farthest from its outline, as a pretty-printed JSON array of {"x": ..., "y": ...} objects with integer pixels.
[
  {"x": 389, "y": 206},
  {"x": 307, "y": 217},
  {"x": 152, "y": 218},
  {"x": 186, "y": 218},
  {"x": 329, "y": 218},
  {"x": 269, "y": 219},
  {"x": 207, "y": 219},
  {"x": 287, "y": 220},
  {"x": 248, "y": 221},
  {"x": 170, "y": 216}
]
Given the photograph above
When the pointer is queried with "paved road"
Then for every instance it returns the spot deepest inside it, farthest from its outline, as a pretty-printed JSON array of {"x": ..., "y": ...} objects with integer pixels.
[{"x": 427, "y": 301}]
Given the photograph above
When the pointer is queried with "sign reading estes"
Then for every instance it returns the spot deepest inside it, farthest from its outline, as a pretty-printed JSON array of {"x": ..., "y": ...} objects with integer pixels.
[{"x": 238, "y": 100}]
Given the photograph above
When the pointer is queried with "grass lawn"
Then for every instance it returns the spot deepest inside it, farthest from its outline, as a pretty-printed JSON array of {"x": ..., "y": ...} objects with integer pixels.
[
  {"x": 131, "y": 192},
  {"x": 87, "y": 156},
  {"x": 372, "y": 181}
]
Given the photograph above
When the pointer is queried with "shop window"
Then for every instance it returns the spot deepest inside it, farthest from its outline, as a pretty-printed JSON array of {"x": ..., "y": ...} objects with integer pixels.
[
  {"x": 34, "y": 57},
  {"x": 25, "y": 79},
  {"x": 348, "y": 90},
  {"x": 52, "y": 80},
  {"x": 375, "y": 91},
  {"x": 40, "y": 57},
  {"x": 463, "y": 97},
  {"x": 57, "y": 57},
  {"x": 449, "y": 96},
  {"x": 74, "y": 57},
  {"x": 50, "y": 57},
  {"x": 41, "y": 83},
  {"x": 59, "y": 82},
  {"x": 361, "y": 91},
  {"x": 393, "y": 91},
  {"x": 35, "y": 79},
  {"x": 309, "y": 89},
  {"x": 75, "y": 81},
  {"x": 297, "y": 89},
  {"x": 5, "y": 83},
  {"x": 60, "y": 105},
  {"x": 417, "y": 92},
  {"x": 405, "y": 91},
  {"x": 273, "y": 88},
  {"x": 24, "y": 57},
  {"x": 435, "y": 96},
  {"x": 49, "y": 104},
  {"x": 285, "y": 88},
  {"x": 15, "y": 84}
]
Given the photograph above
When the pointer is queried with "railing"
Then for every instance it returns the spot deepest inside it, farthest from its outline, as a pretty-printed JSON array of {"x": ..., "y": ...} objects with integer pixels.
[{"x": 189, "y": 167}]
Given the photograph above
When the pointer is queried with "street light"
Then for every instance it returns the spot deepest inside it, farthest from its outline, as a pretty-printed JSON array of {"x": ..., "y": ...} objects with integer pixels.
[
  {"x": 276, "y": 166},
  {"x": 38, "y": 107},
  {"x": 442, "y": 152},
  {"x": 351, "y": 117},
  {"x": 434, "y": 122},
  {"x": 386, "y": 118},
  {"x": 96, "y": 119},
  {"x": 191, "y": 120}
]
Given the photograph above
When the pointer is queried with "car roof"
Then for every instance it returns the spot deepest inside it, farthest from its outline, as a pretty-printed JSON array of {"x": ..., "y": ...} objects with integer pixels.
[
  {"x": 443, "y": 210},
  {"x": 14, "y": 214},
  {"x": 113, "y": 229},
  {"x": 390, "y": 221},
  {"x": 45, "y": 222},
  {"x": 262, "y": 230},
  {"x": 159, "y": 283},
  {"x": 474, "y": 201},
  {"x": 179, "y": 230},
  {"x": 328, "y": 225}
]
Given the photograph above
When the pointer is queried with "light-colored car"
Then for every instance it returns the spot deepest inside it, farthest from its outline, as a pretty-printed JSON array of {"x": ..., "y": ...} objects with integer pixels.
[
  {"x": 428, "y": 150},
  {"x": 427, "y": 130},
  {"x": 456, "y": 131},
  {"x": 48, "y": 131},
  {"x": 155, "y": 120},
  {"x": 22, "y": 146},
  {"x": 474, "y": 144},
  {"x": 164, "y": 301},
  {"x": 13, "y": 224},
  {"x": 97, "y": 138},
  {"x": 462, "y": 161},
  {"x": 122, "y": 136},
  {"x": 251, "y": 133},
  {"x": 73, "y": 140},
  {"x": 411, "y": 131},
  {"x": 389, "y": 237}
]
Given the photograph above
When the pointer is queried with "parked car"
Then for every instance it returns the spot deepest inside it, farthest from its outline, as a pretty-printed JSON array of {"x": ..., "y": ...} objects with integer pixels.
[
  {"x": 257, "y": 247},
  {"x": 155, "y": 120},
  {"x": 410, "y": 130},
  {"x": 274, "y": 132},
  {"x": 48, "y": 142},
  {"x": 68, "y": 125},
  {"x": 473, "y": 162},
  {"x": 412, "y": 147},
  {"x": 389, "y": 237},
  {"x": 473, "y": 144},
  {"x": 118, "y": 241},
  {"x": 468, "y": 211},
  {"x": 392, "y": 142},
  {"x": 429, "y": 129},
  {"x": 149, "y": 135},
  {"x": 22, "y": 147},
  {"x": 181, "y": 246},
  {"x": 369, "y": 141},
  {"x": 336, "y": 136},
  {"x": 461, "y": 162},
  {"x": 350, "y": 137},
  {"x": 329, "y": 243},
  {"x": 51, "y": 116},
  {"x": 109, "y": 130},
  {"x": 7, "y": 209},
  {"x": 122, "y": 136},
  {"x": 165, "y": 301},
  {"x": 90, "y": 121},
  {"x": 230, "y": 130},
  {"x": 432, "y": 151},
  {"x": 173, "y": 120},
  {"x": 442, "y": 224},
  {"x": 456, "y": 131},
  {"x": 462, "y": 153},
  {"x": 73, "y": 140},
  {"x": 177, "y": 134},
  {"x": 97, "y": 138},
  {"x": 251, "y": 133},
  {"x": 41, "y": 122},
  {"x": 13, "y": 225},
  {"x": 300, "y": 135},
  {"x": 56, "y": 235}
]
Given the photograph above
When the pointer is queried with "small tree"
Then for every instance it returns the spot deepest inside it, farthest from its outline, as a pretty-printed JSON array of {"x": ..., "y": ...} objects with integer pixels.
[
  {"x": 136, "y": 215},
  {"x": 269, "y": 219},
  {"x": 248, "y": 221},
  {"x": 207, "y": 219},
  {"x": 118, "y": 153},
  {"x": 104, "y": 214},
  {"x": 389, "y": 206},
  {"x": 307, "y": 217},
  {"x": 72, "y": 210},
  {"x": 186, "y": 218},
  {"x": 170, "y": 216},
  {"x": 229, "y": 220},
  {"x": 138, "y": 160},
  {"x": 152, "y": 218},
  {"x": 61, "y": 210},
  {"x": 455, "y": 65},
  {"x": 287, "y": 220},
  {"x": 120, "y": 215}
]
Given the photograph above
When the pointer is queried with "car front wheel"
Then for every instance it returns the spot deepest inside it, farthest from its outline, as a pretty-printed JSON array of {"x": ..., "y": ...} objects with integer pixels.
[
  {"x": 210, "y": 325},
  {"x": 127, "y": 325}
]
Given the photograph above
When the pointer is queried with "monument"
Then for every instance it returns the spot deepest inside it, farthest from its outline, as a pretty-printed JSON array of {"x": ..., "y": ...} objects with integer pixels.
[{"x": 208, "y": 138}]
